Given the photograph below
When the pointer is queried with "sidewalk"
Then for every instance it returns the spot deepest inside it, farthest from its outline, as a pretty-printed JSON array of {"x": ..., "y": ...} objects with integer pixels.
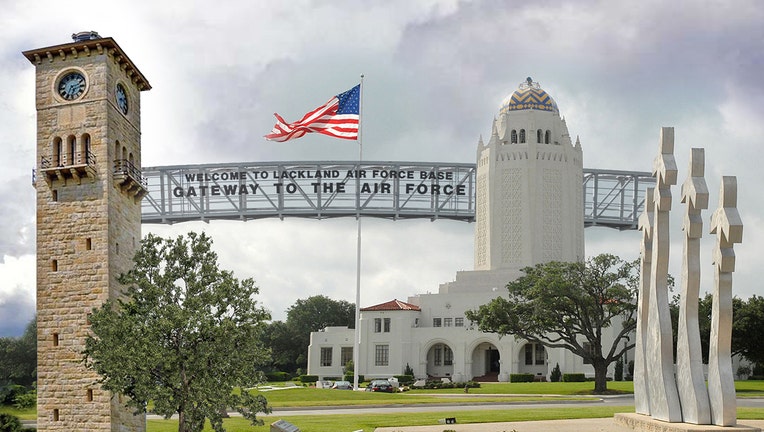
[{"x": 580, "y": 425}]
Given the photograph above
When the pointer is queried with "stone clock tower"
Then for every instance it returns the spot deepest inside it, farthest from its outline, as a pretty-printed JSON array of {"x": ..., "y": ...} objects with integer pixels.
[{"x": 89, "y": 188}]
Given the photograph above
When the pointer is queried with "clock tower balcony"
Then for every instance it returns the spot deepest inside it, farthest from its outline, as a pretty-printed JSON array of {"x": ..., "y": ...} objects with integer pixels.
[
  {"x": 129, "y": 179},
  {"x": 69, "y": 166}
]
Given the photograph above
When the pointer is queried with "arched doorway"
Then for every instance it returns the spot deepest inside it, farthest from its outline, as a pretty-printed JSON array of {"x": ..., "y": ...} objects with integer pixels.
[
  {"x": 440, "y": 361},
  {"x": 486, "y": 362},
  {"x": 532, "y": 358}
]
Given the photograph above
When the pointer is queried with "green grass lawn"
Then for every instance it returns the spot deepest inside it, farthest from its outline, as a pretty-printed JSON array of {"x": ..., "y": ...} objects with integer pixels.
[
  {"x": 368, "y": 422},
  {"x": 488, "y": 392},
  {"x": 23, "y": 414},
  {"x": 305, "y": 397}
]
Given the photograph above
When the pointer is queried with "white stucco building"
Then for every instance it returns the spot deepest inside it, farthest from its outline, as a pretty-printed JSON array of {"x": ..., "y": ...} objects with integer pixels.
[{"x": 529, "y": 210}]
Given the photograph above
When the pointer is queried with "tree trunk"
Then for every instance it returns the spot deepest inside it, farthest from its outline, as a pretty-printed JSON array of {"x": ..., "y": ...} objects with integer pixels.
[{"x": 600, "y": 377}]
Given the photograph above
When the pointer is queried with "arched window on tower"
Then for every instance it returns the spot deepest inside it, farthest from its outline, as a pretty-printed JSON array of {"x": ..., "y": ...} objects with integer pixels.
[
  {"x": 522, "y": 136},
  {"x": 539, "y": 133},
  {"x": 71, "y": 149},
  {"x": 84, "y": 148},
  {"x": 57, "y": 148},
  {"x": 548, "y": 137},
  {"x": 514, "y": 137}
]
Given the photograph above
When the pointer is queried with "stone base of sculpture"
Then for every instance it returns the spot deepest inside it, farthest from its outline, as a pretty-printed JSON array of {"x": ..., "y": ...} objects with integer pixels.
[{"x": 640, "y": 422}]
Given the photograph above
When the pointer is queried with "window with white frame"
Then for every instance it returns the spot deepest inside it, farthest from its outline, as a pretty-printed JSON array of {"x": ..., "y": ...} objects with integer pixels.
[
  {"x": 436, "y": 322},
  {"x": 326, "y": 356},
  {"x": 437, "y": 355},
  {"x": 386, "y": 325},
  {"x": 448, "y": 356},
  {"x": 346, "y": 355},
  {"x": 377, "y": 325},
  {"x": 459, "y": 322},
  {"x": 381, "y": 355}
]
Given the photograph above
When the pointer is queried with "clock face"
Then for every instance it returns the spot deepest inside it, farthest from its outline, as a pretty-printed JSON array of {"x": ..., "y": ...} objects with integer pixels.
[
  {"x": 71, "y": 86},
  {"x": 122, "y": 99}
]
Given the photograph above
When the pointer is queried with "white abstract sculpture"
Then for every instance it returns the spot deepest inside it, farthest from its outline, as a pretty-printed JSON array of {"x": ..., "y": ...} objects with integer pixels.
[{"x": 657, "y": 392}]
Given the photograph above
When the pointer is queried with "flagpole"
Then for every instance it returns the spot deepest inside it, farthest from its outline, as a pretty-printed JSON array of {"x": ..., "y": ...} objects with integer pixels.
[{"x": 357, "y": 347}]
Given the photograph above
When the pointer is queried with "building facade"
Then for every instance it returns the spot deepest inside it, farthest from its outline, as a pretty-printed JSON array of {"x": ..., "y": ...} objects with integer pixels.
[
  {"x": 529, "y": 210},
  {"x": 88, "y": 218}
]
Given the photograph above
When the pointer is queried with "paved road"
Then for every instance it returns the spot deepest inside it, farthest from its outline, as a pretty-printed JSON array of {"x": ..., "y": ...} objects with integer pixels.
[{"x": 453, "y": 407}]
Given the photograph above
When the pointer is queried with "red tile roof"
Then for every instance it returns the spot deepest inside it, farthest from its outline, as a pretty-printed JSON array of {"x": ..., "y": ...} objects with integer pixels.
[{"x": 392, "y": 306}]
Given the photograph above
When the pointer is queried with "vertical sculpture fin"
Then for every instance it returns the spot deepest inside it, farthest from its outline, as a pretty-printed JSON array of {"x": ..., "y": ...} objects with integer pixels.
[
  {"x": 664, "y": 397},
  {"x": 690, "y": 379},
  {"x": 728, "y": 227}
]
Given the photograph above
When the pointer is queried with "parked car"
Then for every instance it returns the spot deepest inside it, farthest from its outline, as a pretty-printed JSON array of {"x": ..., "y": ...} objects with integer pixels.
[
  {"x": 380, "y": 386},
  {"x": 342, "y": 385}
]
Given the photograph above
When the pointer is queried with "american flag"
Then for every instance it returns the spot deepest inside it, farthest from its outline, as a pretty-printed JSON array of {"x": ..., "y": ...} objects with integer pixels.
[{"x": 337, "y": 118}]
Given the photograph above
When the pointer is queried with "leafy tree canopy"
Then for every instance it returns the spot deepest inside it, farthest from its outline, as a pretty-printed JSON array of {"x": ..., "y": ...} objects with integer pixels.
[
  {"x": 289, "y": 340},
  {"x": 570, "y": 305},
  {"x": 747, "y": 326},
  {"x": 184, "y": 335},
  {"x": 18, "y": 357}
]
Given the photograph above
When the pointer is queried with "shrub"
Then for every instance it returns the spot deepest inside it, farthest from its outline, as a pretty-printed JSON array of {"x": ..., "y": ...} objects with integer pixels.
[
  {"x": 618, "y": 374},
  {"x": 349, "y": 377},
  {"x": 523, "y": 377},
  {"x": 573, "y": 377},
  {"x": 277, "y": 376},
  {"x": 306, "y": 379},
  {"x": 449, "y": 385},
  {"x": 405, "y": 379},
  {"x": 26, "y": 400},
  {"x": 9, "y": 392},
  {"x": 556, "y": 375},
  {"x": 408, "y": 370},
  {"x": 10, "y": 423}
]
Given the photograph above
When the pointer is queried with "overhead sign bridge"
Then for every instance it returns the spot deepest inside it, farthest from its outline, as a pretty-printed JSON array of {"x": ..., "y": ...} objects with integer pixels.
[{"x": 391, "y": 190}]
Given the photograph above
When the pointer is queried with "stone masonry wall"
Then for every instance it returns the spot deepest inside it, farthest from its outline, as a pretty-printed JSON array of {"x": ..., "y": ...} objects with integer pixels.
[{"x": 87, "y": 232}]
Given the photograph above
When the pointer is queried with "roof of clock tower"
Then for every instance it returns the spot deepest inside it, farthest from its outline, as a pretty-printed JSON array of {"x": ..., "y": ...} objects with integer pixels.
[
  {"x": 84, "y": 47},
  {"x": 528, "y": 96}
]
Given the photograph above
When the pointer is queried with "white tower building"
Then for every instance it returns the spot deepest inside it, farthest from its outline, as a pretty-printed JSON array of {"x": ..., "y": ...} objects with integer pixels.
[{"x": 529, "y": 192}]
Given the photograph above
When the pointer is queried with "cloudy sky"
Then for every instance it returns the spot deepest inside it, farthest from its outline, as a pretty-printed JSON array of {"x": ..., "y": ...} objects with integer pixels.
[{"x": 435, "y": 73}]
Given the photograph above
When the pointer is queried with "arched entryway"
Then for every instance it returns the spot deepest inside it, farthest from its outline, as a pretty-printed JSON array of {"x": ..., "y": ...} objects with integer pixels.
[
  {"x": 486, "y": 362},
  {"x": 532, "y": 358},
  {"x": 440, "y": 361}
]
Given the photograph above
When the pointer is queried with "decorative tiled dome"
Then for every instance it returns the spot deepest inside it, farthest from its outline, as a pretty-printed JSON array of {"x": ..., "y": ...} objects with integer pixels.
[{"x": 529, "y": 95}]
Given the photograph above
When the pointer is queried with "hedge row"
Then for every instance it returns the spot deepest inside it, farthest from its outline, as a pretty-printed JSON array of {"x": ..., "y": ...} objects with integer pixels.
[
  {"x": 573, "y": 377},
  {"x": 522, "y": 377},
  {"x": 449, "y": 385}
]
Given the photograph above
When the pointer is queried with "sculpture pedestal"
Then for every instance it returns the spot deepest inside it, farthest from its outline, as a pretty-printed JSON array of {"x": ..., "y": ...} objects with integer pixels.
[{"x": 639, "y": 422}]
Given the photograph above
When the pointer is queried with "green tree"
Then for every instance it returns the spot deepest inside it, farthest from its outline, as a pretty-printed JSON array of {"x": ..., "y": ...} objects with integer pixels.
[
  {"x": 568, "y": 305},
  {"x": 748, "y": 328},
  {"x": 289, "y": 340},
  {"x": 18, "y": 358},
  {"x": 747, "y": 325},
  {"x": 280, "y": 339},
  {"x": 184, "y": 335}
]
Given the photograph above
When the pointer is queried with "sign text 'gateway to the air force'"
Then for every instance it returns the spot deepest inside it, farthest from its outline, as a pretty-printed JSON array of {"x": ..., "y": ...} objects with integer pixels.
[
  {"x": 225, "y": 183},
  {"x": 395, "y": 190}
]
